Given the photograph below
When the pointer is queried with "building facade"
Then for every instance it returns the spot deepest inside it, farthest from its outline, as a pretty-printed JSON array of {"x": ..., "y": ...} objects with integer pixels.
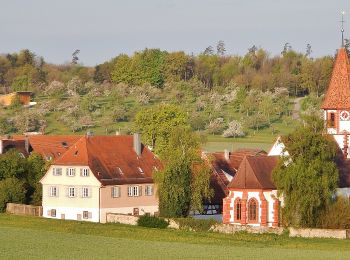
[{"x": 99, "y": 175}]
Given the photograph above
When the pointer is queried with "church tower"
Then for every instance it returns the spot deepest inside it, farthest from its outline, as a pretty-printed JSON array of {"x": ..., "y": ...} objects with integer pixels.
[{"x": 336, "y": 104}]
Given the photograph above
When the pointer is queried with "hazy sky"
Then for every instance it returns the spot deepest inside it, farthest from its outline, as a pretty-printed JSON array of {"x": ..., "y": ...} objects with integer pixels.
[{"x": 102, "y": 29}]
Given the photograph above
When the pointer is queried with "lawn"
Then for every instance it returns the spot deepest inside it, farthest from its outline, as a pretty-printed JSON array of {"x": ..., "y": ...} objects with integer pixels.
[{"x": 36, "y": 238}]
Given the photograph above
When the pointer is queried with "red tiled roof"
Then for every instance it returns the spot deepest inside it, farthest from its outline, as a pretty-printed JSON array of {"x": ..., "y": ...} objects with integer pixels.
[
  {"x": 220, "y": 164},
  {"x": 112, "y": 159},
  {"x": 255, "y": 172},
  {"x": 338, "y": 93},
  {"x": 52, "y": 146}
]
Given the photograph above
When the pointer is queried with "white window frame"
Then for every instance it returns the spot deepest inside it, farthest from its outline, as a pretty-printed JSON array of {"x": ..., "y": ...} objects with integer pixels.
[
  {"x": 116, "y": 191},
  {"x": 85, "y": 192},
  {"x": 72, "y": 192},
  {"x": 57, "y": 171},
  {"x": 85, "y": 214},
  {"x": 133, "y": 191},
  {"x": 85, "y": 172},
  {"x": 51, "y": 213},
  {"x": 71, "y": 172},
  {"x": 53, "y": 191},
  {"x": 149, "y": 190}
]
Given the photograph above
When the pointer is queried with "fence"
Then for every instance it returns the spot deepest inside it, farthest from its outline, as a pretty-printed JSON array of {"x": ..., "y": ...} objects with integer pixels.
[{"x": 22, "y": 209}]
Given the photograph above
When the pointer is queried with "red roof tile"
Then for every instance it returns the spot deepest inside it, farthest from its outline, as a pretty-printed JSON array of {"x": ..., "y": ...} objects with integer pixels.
[
  {"x": 112, "y": 159},
  {"x": 255, "y": 172},
  {"x": 52, "y": 146},
  {"x": 338, "y": 93}
]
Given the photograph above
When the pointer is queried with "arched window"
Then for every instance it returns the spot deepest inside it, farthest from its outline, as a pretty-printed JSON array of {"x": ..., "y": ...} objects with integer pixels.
[
  {"x": 252, "y": 210},
  {"x": 238, "y": 209}
]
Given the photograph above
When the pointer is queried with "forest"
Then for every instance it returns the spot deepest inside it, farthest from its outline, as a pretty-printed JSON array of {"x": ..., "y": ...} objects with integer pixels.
[{"x": 226, "y": 95}]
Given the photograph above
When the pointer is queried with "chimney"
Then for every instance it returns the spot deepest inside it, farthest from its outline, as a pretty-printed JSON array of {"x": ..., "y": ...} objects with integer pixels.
[
  {"x": 137, "y": 143},
  {"x": 89, "y": 134},
  {"x": 227, "y": 154}
]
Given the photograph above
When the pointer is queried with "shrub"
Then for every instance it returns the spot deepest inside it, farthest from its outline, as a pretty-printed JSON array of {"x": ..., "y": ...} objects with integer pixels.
[
  {"x": 196, "y": 224},
  {"x": 11, "y": 190},
  {"x": 336, "y": 215},
  {"x": 152, "y": 222}
]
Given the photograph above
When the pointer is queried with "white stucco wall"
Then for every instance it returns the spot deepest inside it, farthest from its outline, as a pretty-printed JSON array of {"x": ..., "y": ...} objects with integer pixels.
[
  {"x": 71, "y": 213},
  {"x": 255, "y": 194}
]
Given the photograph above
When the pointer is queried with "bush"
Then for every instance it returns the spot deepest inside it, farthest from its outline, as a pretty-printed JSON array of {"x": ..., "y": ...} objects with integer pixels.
[
  {"x": 336, "y": 215},
  {"x": 11, "y": 190},
  {"x": 152, "y": 222},
  {"x": 195, "y": 224}
]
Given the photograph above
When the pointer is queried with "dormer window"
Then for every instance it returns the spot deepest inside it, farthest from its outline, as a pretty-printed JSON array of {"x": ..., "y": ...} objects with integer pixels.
[
  {"x": 140, "y": 169},
  {"x": 119, "y": 170}
]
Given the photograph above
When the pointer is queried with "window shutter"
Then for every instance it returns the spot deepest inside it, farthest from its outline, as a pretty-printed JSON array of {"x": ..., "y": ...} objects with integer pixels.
[
  {"x": 49, "y": 212},
  {"x": 140, "y": 190},
  {"x": 67, "y": 170},
  {"x": 151, "y": 189},
  {"x": 90, "y": 192},
  {"x": 67, "y": 191},
  {"x": 112, "y": 192},
  {"x": 119, "y": 191},
  {"x": 49, "y": 191},
  {"x": 90, "y": 215},
  {"x": 81, "y": 171}
]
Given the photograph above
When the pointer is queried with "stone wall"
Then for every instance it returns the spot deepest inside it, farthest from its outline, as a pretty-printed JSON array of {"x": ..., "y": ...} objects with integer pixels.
[
  {"x": 123, "y": 219},
  {"x": 22, "y": 209},
  {"x": 319, "y": 233},
  {"x": 231, "y": 229}
]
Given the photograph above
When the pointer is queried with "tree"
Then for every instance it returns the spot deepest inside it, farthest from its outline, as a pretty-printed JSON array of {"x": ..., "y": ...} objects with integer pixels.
[
  {"x": 234, "y": 129},
  {"x": 11, "y": 190},
  {"x": 220, "y": 48},
  {"x": 12, "y": 165},
  {"x": 307, "y": 178},
  {"x": 308, "y": 50},
  {"x": 208, "y": 51},
  {"x": 75, "y": 57},
  {"x": 155, "y": 124},
  {"x": 184, "y": 181}
]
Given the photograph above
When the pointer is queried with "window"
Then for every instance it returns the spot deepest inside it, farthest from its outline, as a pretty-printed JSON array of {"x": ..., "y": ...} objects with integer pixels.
[
  {"x": 116, "y": 192},
  {"x": 140, "y": 169},
  {"x": 149, "y": 190},
  {"x": 70, "y": 172},
  {"x": 238, "y": 209},
  {"x": 133, "y": 191},
  {"x": 53, "y": 213},
  {"x": 57, "y": 171},
  {"x": 85, "y": 214},
  {"x": 252, "y": 210},
  {"x": 331, "y": 120},
  {"x": 85, "y": 192},
  {"x": 84, "y": 172},
  {"x": 53, "y": 191},
  {"x": 71, "y": 192}
]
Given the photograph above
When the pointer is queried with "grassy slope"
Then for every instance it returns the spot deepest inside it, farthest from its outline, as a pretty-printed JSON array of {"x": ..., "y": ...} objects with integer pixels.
[{"x": 33, "y": 238}]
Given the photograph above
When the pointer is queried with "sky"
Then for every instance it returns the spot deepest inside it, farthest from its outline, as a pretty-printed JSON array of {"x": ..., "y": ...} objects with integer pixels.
[{"x": 103, "y": 29}]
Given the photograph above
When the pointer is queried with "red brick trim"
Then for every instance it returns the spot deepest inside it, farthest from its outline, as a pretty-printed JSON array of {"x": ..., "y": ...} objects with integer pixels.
[
  {"x": 226, "y": 208},
  {"x": 276, "y": 206},
  {"x": 244, "y": 207},
  {"x": 264, "y": 209}
]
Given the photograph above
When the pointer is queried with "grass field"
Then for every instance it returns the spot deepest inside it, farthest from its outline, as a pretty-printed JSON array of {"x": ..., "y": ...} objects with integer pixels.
[{"x": 36, "y": 238}]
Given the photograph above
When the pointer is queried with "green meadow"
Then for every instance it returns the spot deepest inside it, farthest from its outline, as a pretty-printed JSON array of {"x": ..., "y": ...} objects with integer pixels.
[{"x": 24, "y": 237}]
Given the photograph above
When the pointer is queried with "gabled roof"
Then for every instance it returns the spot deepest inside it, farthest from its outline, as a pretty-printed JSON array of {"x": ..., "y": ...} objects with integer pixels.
[
  {"x": 52, "y": 146},
  {"x": 255, "y": 172},
  {"x": 230, "y": 167},
  {"x": 112, "y": 159},
  {"x": 338, "y": 93}
]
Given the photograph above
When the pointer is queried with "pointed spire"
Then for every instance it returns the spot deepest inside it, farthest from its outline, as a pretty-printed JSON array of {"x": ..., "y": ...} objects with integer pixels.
[
  {"x": 338, "y": 93},
  {"x": 342, "y": 28}
]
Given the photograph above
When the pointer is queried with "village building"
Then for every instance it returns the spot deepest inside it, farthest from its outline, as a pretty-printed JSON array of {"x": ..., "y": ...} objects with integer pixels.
[
  {"x": 99, "y": 175},
  {"x": 24, "y": 97},
  {"x": 252, "y": 198},
  {"x": 224, "y": 166}
]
